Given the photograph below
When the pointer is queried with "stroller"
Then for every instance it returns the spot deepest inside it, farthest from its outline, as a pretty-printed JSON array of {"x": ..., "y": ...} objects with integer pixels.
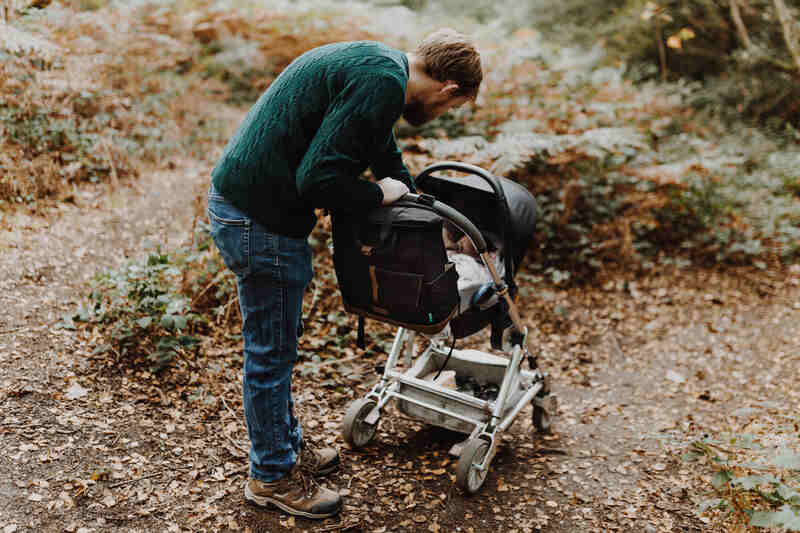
[{"x": 466, "y": 390}]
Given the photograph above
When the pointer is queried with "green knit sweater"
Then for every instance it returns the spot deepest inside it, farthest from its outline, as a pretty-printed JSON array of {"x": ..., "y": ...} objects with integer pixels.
[{"x": 303, "y": 145}]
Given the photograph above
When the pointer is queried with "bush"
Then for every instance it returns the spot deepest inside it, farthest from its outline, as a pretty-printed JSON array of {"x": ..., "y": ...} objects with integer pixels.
[
  {"x": 56, "y": 147},
  {"x": 152, "y": 310},
  {"x": 741, "y": 51},
  {"x": 755, "y": 482},
  {"x": 145, "y": 316},
  {"x": 738, "y": 50},
  {"x": 69, "y": 118},
  {"x": 245, "y": 48}
]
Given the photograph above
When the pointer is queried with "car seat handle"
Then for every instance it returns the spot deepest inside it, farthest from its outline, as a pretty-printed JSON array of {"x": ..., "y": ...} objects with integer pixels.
[{"x": 426, "y": 201}]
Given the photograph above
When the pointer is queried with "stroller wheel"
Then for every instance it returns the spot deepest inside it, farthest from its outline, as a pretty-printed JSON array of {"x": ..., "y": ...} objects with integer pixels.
[
  {"x": 543, "y": 410},
  {"x": 355, "y": 430},
  {"x": 469, "y": 474}
]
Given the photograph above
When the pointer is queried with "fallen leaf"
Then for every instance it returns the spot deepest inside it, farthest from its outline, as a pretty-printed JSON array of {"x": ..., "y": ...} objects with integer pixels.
[
  {"x": 75, "y": 391},
  {"x": 108, "y": 498},
  {"x": 674, "y": 42},
  {"x": 675, "y": 377}
]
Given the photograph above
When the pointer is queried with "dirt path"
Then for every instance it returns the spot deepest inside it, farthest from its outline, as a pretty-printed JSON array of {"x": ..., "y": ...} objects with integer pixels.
[
  {"x": 48, "y": 439},
  {"x": 637, "y": 368}
]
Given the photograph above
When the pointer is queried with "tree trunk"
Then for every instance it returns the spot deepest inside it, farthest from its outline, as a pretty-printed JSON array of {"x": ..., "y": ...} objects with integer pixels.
[
  {"x": 786, "y": 24},
  {"x": 741, "y": 29}
]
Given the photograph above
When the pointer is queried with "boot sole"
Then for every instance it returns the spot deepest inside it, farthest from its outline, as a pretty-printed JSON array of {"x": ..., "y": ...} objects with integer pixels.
[{"x": 265, "y": 501}]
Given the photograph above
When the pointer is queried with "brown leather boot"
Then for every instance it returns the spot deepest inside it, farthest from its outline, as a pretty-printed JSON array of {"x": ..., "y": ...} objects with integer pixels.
[
  {"x": 318, "y": 461},
  {"x": 296, "y": 494}
]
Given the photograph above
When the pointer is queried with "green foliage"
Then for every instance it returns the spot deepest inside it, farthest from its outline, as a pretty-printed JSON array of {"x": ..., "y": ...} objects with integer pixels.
[
  {"x": 731, "y": 206},
  {"x": 568, "y": 16},
  {"x": 753, "y": 484},
  {"x": 240, "y": 65},
  {"x": 40, "y": 132},
  {"x": 745, "y": 64},
  {"x": 746, "y": 69},
  {"x": 143, "y": 311},
  {"x": 453, "y": 125},
  {"x": 245, "y": 47},
  {"x": 154, "y": 309},
  {"x": 88, "y": 142},
  {"x": 67, "y": 147},
  {"x": 565, "y": 233},
  {"x": 90, "y": 5},
  {"x": 69, "y": 129}
]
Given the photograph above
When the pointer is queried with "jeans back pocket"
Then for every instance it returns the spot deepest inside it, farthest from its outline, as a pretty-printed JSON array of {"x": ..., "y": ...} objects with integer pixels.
[{"x": 230, "y": 230}]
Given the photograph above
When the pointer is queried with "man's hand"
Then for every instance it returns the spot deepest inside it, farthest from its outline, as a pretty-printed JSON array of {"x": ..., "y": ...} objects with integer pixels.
[{"x": 392, "y": 189}]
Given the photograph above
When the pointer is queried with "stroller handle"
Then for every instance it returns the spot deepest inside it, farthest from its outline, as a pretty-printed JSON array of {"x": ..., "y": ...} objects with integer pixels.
[{"x": 424, "y": 201}]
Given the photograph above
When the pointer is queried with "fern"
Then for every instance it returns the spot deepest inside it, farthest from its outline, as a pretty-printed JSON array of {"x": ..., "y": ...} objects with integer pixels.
[
  {"x": 512, "y": 152},
  {"x": 600, "y": 142},
  {"x": 453, "y": 148},
  {"x": 19, "y": 42}
]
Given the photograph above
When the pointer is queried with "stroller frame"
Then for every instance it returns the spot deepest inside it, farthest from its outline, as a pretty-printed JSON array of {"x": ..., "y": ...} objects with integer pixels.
[{"x": 428, "y": 401}]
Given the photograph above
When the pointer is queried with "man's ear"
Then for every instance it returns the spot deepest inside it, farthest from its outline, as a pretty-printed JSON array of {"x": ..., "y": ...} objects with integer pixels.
[{"x": 450, "y": 88}]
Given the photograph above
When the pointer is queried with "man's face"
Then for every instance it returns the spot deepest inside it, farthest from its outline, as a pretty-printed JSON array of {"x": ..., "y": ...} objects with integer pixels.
[{"x": 425, "y": 108}]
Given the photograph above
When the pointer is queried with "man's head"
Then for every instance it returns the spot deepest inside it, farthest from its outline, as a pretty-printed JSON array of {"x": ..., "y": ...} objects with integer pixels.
[{"x": 445, "y": 72}]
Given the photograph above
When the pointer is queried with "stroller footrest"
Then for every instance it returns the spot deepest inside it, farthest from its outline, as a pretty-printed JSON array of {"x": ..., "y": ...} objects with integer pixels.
[
  {"x": 443, "y": 411},
  {"x": 445, "y": 394}
]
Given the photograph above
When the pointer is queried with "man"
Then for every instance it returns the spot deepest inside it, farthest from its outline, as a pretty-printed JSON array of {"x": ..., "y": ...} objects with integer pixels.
[{"x": 303, "y": 145}]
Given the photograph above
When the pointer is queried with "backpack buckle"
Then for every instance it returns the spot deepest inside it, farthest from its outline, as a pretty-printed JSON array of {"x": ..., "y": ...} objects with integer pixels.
[{"x": 426, "y": 199}]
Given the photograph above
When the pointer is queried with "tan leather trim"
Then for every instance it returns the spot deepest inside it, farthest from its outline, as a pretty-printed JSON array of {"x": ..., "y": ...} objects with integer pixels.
[{"x": 374, "y": 280}]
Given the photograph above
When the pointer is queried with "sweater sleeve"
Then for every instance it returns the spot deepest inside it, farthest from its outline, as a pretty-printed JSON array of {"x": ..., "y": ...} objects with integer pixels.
[
  {"x": 355, "y": 129},
  {"x": 388, "y": 163},
  {"x": 354, "y": 196}
]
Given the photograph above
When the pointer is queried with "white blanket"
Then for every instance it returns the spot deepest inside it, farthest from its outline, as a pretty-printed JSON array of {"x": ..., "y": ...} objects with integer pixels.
[{"x": 472, "y": 274}]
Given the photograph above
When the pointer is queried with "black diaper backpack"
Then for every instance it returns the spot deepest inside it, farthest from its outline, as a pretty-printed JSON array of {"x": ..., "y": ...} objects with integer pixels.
[{"x": 391, "y": 266}]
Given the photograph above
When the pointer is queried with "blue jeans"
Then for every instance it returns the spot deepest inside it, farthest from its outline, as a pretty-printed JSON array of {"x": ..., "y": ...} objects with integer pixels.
[{"x": 272, "y": 272}]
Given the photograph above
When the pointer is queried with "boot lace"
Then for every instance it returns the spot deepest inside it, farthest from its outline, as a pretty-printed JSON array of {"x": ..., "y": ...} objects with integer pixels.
[
  {"x": 310, "y": 486},
  {"x": 307, "y": 463},
  {"x": 309, "y": 459}
]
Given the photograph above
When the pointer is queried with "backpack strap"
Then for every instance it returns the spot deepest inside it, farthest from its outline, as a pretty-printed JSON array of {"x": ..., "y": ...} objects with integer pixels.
[{"x": 361, "y": 341}]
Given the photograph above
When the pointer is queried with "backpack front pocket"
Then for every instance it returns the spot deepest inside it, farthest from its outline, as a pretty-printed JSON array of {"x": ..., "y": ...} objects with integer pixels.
[
  {"x": 396, "y": 292},
  {"x": 440, "y": 296}
]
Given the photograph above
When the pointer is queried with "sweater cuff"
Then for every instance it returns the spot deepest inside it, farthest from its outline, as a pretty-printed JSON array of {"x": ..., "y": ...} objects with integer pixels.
[
  {"x": 409, "y": 181},
  {"x": 358, "y": 195}
]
